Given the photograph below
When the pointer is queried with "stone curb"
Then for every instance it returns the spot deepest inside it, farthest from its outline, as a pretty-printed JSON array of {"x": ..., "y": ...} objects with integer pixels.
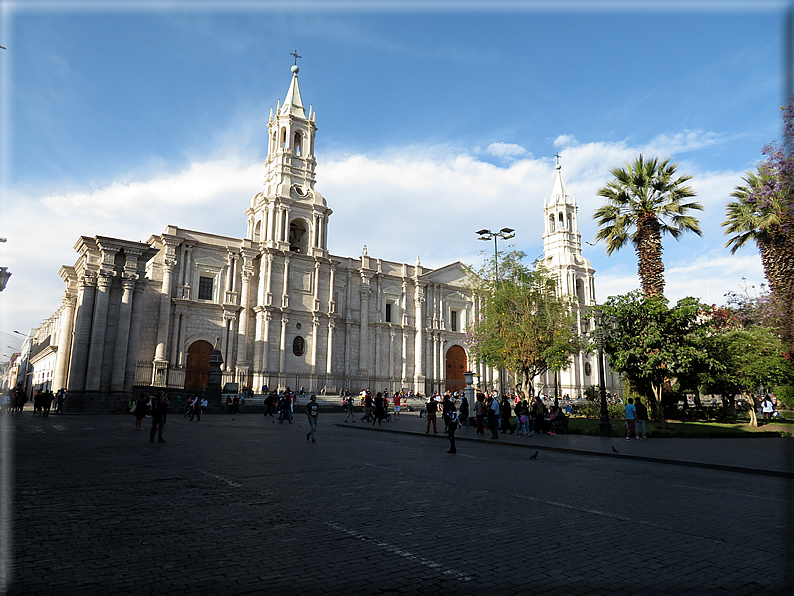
[{"x": 639, "y": 458}]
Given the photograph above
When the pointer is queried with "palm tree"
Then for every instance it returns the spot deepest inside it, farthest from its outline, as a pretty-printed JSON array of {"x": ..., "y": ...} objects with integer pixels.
[
  {"x": 768, "y": 224},
  {"x": 644, "y": 201}
]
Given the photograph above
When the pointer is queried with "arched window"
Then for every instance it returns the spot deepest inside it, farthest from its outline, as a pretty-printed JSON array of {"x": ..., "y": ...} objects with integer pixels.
[
  {"x": 298, "y": 236},
  {"x": 562, "y": 222},
  {"x": 580, "y": 290},
  {"x": 284, "y": 138},
  {"x": 570, "y": 226},
  {"x": 257, "y": 231},
  {"x": 296, "y": 144},
  {"x": 552, "y": 226}
]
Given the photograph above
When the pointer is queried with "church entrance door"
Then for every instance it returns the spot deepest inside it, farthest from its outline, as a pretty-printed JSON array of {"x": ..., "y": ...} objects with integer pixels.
[
  {"x": 198, "y": 365},
  {"x": 456, "y": 366}
]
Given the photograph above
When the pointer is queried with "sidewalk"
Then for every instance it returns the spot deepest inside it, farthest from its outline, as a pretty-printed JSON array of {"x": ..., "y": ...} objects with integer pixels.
[{"x": 766, "y": 456}]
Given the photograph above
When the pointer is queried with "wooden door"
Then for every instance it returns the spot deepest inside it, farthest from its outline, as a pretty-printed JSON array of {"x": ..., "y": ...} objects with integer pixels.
[
  {"x": 198, "y": 365},
  {"x": 455, "y": 367}
]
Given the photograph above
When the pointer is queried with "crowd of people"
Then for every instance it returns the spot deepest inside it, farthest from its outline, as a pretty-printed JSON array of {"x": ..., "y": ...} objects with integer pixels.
[{"x": 14, "y": 400}]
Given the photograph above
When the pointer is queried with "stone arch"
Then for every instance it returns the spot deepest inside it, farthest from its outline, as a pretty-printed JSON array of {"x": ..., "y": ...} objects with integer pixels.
[
  {"x": 296, "y": 142},
  {"x": 580, "y": 290},
  {"x": 197, "y": 365},
  {"x": 552, "y": 224},
  {"x": 299, "y": 235},
  {"x": 455, "y": 364}
]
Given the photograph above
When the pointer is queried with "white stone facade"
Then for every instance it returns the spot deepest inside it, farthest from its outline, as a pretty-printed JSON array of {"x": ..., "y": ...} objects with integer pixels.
[{"x": 282, "y": 310}]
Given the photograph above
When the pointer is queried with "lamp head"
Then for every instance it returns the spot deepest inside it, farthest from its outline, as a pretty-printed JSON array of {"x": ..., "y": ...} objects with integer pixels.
[{"x": 483, "y": 232}]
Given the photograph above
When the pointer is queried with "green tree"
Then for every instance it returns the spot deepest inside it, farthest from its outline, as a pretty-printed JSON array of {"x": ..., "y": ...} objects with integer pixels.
[
  {"x": 525, "y": 325},
  {"x": 767, "y": 223},
  {"x": 748, "y": 358},
  {"x": 650, "y": 344},
  {"x": 645, "y": 201}
]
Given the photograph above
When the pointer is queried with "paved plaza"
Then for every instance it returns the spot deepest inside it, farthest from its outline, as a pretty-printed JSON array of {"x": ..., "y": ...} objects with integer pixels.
[{"x": 243, "y": 505}]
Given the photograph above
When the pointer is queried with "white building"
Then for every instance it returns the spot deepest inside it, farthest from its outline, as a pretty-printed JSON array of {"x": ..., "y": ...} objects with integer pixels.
[{"x": 282, "y": 310}]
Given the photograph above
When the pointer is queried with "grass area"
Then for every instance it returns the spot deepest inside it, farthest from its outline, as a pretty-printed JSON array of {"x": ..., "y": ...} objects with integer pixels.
[{"x": 689, "y": 430}]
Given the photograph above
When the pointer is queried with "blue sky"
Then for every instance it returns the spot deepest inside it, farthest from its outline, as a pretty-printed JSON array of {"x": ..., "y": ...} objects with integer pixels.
[{"x": 121, "y": 118}]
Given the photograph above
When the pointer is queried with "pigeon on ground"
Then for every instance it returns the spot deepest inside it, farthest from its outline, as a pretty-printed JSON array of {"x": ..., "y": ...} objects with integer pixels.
[
  {"x": 534, "y": 456},
  {"x": 615, "y": 450}
]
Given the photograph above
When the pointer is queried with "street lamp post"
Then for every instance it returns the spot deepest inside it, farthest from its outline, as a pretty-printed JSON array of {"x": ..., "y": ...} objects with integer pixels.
[
  {"x": 599, "y": 332},
  {"x": 504, "y": 234}
]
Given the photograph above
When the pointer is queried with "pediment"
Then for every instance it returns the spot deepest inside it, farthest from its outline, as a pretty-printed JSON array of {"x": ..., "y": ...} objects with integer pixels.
[{"x": 454, "y": 274}]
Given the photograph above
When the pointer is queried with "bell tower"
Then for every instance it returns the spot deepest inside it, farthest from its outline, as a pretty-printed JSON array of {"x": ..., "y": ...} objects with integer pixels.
[
  {"x": 289, "y": 214},
  {"x": 562, "y": 244}
]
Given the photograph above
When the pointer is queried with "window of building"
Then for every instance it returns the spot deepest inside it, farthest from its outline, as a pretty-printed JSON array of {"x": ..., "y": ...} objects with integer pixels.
[
  {"x": 453, "y": 320},
  {"x": 388, "y": 312},
  {"x": 205, "y": 288}
]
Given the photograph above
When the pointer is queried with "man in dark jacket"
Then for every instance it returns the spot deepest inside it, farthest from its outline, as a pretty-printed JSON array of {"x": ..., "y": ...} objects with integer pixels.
[{"x": 159, "y": 414}]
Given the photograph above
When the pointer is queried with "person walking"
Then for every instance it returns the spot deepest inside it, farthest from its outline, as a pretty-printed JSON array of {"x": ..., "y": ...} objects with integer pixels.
[
  {"x": 349, "y": 405},
  {"x": 452, "y": 426},
  {"x": 431, "y": 407},
  {"x": 463, "y": 418},
  {"x": 140, "y": 411},
  {"x": 312, "y": 413},
  {"x": 380, "y": 409},
  {"x": 631, "y": 418},
  {"x": 479, "y": 413},
  {"x": 196, "y": 409},
  {"x": 642, "y": 416},
  {"x": 493, "y": 417},
  {"x": 397, "y": 406},
  {"x": 506, "y": 412},
  {"x": 159, "y": 414},
  {"x": 367, "y": 408}
]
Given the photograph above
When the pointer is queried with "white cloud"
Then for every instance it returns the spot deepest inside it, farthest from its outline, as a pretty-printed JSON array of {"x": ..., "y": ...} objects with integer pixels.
[
  {"x": 402, "y": 202},
  {"x": 565, "y": 141},
  {"x": 506, "y": 150}
]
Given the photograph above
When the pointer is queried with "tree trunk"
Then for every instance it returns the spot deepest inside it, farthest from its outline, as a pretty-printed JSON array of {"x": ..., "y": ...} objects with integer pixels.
[{"x": 657, "y": 398}]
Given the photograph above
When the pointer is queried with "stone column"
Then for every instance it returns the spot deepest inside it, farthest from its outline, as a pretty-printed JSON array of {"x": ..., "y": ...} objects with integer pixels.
[
  {"x": 419, "y": 376},
  {"x": 165, "y": 309},
  {"x": 316, "y": 304},
  {"x": 434, "y": 340},
  {"x": 135, "y": 326},
  {"x": 392, "y": 336},
  {"x": 244, "y": 334},
  {"x": 331, "y": 302},
  {"x": 363, "y": 345},
  {"x": 404, "y": 357},
  {"x": 268, "y": 293},
  {"x": 266, "y": 340},
  {"x": 283, "y": 345},
  {"x": 329, "y": 360},
  {"x": 315, "y": 341},
  {"x": 285, "y": 285},
  {"x": 122, "y": 336},
  {"x": 64, "y": 342},
  {"x": 96, "y": 352},
  {"x": 271, "y": 222}
]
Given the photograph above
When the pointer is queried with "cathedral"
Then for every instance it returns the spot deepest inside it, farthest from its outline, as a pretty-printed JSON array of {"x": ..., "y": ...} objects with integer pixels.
[{"x": 281, "y": 309}]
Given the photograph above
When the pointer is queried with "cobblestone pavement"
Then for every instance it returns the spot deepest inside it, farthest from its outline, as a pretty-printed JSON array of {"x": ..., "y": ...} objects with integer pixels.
[{"x": 243, "y": 505}]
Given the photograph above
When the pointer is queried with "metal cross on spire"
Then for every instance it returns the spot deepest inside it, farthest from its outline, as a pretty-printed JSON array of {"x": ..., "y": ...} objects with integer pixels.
[
  {"x": 295, "y": 55},
  {"x": 557, "y": 155}
]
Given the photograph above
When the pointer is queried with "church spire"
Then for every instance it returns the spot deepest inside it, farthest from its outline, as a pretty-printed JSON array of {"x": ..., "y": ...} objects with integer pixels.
[{"x": 293, "y": 105}]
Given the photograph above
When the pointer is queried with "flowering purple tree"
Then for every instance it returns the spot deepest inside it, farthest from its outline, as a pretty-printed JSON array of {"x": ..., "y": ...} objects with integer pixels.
[{"x": 763, "y": 211}]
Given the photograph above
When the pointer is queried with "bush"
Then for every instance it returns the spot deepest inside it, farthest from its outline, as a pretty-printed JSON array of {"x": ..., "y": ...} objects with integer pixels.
[
  {"x": 593, "y": 392},
  {"x": 785, "y": 393}
]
